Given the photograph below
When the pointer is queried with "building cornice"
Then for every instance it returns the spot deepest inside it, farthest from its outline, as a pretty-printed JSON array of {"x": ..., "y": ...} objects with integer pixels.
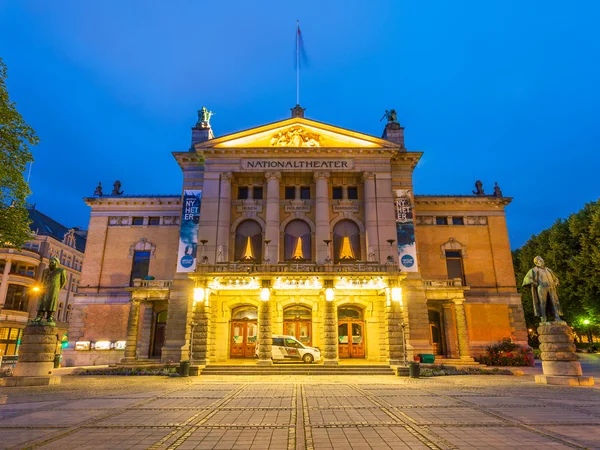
[{"x": 462, "y": 200}]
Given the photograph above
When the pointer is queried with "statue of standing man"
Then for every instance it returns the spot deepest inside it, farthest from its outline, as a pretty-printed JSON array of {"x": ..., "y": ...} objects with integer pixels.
[
  {"x": 53, "y": 280},
  {"x": 543, "y": 290}
]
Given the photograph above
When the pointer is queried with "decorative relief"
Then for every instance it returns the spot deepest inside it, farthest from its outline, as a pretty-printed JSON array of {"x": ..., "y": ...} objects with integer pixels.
[
  {"x": 143, "y": 245},
  {"x": 171, "y": 220},
  {"x": 453, "y": 245},
  {"x": 295, "y": 137},
  {"x": 116, "y": 221},
  {"x": 476, "y": 220},
  {"x": 425, "y": 220}
]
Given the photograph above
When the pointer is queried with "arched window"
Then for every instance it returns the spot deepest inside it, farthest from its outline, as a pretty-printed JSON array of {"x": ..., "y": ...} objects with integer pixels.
[
  {"x": 346, "y": 241},
  {"x": 297, "y": 312},
  {"x": 296, "y": 242},
  {"x": 248, "y": 241},
  {"x": 349, "y": 312},
  {"x": 245, "y": 313},
  {"x": 68, "y": 313}
]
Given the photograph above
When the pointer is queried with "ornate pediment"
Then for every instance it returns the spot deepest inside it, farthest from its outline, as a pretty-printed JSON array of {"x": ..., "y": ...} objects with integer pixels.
[{"x": 297, "y": 132}]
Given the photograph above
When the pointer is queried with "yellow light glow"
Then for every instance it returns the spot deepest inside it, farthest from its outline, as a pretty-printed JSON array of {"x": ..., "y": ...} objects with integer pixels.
[
  {"x": 198, "y": 294},
  {"x": 265, "y": 294},
  {"x": 397, "y": 294},
  {"x": 234, "y": 283},
  {"x": 329, "y": 294},
  {"x": 298, "y": 250},
  {"x": 35, "y": 289},
  {"x": 297, "y": 283},
  {"x": 102, "y": 345}
]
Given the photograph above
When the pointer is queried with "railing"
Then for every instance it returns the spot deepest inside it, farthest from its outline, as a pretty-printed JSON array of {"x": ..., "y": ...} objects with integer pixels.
[
  {"x": 23, "y": 273},
  {"x": 138, "y": 282},
  {"x": 444, "y": 283},
  {"x": 297, "y": 267}
]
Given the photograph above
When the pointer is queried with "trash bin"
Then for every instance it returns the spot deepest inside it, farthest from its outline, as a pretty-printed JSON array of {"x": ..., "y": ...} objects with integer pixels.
[
  {"x": 184, "y": 368},
  {"x": 57, "y": 360},
  {"x": 426, "y": 358},
  {"x": 414, "y": 370}
]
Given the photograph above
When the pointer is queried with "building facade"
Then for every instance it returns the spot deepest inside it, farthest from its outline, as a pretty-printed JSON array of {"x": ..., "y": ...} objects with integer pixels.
[
  {"x": 297, "y": 228},
  {"x": 22, "y": 271}
]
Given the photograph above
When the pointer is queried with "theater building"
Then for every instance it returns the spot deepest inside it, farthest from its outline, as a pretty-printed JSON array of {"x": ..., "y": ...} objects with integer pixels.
[{"x": 298, "y": 228}]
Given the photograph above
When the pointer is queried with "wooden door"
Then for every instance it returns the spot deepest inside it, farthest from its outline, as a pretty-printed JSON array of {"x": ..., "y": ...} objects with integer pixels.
[
  {"x": 351, "y": 339},
  {"x": 159, "y": 339},
  {"x": 243, "y": 339},
  {"x": 300, "y": 329}
]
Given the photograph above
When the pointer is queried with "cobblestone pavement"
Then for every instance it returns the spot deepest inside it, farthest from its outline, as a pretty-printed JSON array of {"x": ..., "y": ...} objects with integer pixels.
[{"x": 303, "y": 412}]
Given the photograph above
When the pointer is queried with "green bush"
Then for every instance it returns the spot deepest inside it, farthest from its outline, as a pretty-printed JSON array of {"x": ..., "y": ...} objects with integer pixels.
[
  {"x": 441, "y": 370},
  {"x": 132, "y": 371},
  {"x": 507, "y": 353}
]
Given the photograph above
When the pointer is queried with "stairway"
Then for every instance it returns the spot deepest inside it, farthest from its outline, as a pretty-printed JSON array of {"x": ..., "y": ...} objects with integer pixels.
[{"x": 297, "y": 369}]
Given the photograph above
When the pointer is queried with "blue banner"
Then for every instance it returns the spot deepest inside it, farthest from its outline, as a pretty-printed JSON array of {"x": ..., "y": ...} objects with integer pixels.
[
  {"x": 188, "y": 233},
  {"x": 405, "y": 232}
]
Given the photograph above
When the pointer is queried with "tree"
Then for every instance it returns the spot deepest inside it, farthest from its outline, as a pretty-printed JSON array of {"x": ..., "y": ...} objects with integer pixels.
[
  {"x": 571, "y": 248},
  {"x": 15, "y": 138}
]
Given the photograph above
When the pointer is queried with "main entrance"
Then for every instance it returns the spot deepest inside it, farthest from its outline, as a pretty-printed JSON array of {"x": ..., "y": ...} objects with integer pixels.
[
  {"x": 435, "y": 328},
  {"x": 351, "y": 333},
  {"x": 244, "y": 331},
  {"x": 297, "y": 322},
  {"x": 159, "y": 334}
]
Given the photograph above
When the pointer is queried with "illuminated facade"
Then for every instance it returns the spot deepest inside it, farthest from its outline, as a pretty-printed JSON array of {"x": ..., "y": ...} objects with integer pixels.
[{"x": 295, "y": 228}]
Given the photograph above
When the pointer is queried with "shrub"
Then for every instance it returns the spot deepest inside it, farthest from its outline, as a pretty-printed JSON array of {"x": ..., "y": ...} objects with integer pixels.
[
  {"x": 129, "y": 371},
  {"x": 441, "y": 370},
  {"x": 507, "y": 353}
]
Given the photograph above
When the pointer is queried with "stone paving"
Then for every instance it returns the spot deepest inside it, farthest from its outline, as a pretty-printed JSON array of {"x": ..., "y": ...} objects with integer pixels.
[{"x": 302, "y": 412}]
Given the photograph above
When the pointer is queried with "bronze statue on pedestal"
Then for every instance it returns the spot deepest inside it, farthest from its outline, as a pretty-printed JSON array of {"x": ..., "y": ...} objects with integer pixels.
[{"x": 53, "y": 280}]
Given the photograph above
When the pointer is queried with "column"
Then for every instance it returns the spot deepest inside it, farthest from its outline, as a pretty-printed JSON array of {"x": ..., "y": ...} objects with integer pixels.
[
  {"x": 322, "y": 215},
  {"x": 272, "y": 222},
  {"x": 464, "y": 349},
  {"x": 371, "y": 214},
  {"x": 132, "y": 331},
  {"x": 265, "y": 340},
  {"x": 224, "y": 220},
  {"x": 144, "y": 344},
  {"x": 449, "y": 331},
  {"x": 330, "y": 350},
  {"x": 199, "y": 348},
  {"x": 4, "y": 285},
  {"x": 394, "y": 331}
]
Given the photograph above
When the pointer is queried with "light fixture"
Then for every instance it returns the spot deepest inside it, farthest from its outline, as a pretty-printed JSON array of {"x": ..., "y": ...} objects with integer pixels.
[
  {"x": 35, "y": 289},
  {"x": 198, "y": 294},
  {"x": 329, "y": 294},
  {"x": 265, "y": 294},
  {"x": 397, "y": 294},
  {"x": 586, "y": 322}
]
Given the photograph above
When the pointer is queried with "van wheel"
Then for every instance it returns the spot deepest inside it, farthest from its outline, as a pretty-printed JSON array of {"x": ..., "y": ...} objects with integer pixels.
[{"x": 308, "y": 358}]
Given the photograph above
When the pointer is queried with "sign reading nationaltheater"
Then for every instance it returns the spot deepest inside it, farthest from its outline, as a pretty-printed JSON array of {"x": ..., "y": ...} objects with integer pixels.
[
  {"x": 297, "y": 164},
  {"x": 405, "y": 232},
  {"x": 188, "y": 233}
]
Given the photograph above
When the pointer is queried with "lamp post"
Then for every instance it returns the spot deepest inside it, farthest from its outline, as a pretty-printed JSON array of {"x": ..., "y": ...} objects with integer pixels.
[{"x": 588, "y": 330}]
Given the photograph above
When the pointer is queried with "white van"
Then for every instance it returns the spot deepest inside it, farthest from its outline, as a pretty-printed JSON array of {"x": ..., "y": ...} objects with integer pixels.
[{"x": 288, "y": 348}]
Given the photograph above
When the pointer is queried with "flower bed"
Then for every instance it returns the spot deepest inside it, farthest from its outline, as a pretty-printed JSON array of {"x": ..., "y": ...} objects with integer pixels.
[
  {"x": 132, "y": 371},
  {"x": 507, "y": 353},
  {"x": 441, "y": 370}
]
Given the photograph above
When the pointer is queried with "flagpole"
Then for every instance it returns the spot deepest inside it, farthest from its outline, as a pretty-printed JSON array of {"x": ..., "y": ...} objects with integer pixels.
[{"x": 297, "y": 62}]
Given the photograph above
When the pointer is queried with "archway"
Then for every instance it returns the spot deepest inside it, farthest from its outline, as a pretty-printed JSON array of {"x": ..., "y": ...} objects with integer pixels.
[
  {"x": 244, "y": 332},
  {"x": 351, "y": 332},
  {"x": 297, "y": 322}
]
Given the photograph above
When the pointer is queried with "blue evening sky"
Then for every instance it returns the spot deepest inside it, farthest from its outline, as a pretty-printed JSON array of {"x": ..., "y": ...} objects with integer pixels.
[{"x": 503, "y": 91}]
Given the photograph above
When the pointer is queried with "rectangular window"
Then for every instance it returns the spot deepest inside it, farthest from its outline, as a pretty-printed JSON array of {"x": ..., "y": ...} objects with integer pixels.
[
  {"x": 154, "y": 221},
  {"x": 17, "y": 298},
  {"x": 454, "y": 265},
  {"x": 137, "y": 221},
  {"x": 458, "y": 221},
  {"x": 258, "y": 193},
  {"x": 352, "y": 193},
  {"x": 337, "y": 193},
  {"x": 242, "y": 192},
  {"x": 305, "y": 193},
  {"x": 441, "y": 220},
  {"x": 141, "y": 264},
  {"x": 290, "y": 192}
]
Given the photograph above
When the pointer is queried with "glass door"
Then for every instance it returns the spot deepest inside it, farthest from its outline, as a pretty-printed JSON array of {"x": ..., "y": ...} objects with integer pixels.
[
  {"x": 343, "y": 340},
  {"x": 357, "y": 347}
]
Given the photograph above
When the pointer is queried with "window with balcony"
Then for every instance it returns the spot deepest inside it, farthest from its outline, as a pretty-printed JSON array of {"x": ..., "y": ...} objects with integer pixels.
[
  {"x": 454, "y": 265},
  {"x": 17, "y": 298},
  {"x": 141, "y": 264}
]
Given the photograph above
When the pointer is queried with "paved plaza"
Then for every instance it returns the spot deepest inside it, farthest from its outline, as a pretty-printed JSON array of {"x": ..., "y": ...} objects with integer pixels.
[{"x": 300, "y": 412}]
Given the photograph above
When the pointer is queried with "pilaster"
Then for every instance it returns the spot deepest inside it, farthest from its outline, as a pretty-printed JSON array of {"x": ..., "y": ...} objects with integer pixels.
[
  {"x": 224, "y": 222},
  {"x": 464, "y": 348},
  {"x": 200, "y": 335},
  {"x": 322, "y": 215},
  {"x": 272, "y": 215},
  {"x": 330, "y": 350},
  {"x": 394, "y": 334},
  {"x": 371, "y": 213},
  {"x": 176, "y": 347},
  {"x": 132, "y": 331}
]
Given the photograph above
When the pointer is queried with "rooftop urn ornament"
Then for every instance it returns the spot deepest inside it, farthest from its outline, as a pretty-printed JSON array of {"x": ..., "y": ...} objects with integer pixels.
[
  {"x": 497, "y": 191},
  {"x": 478, "y": 188},
  {"x": 543, "y": 291},
  {"x": 204, "y": 116},
  {"x": 98, "y": 191},
  {"x": 53, "y": 280},
  {"x": 117, "y": 188}
]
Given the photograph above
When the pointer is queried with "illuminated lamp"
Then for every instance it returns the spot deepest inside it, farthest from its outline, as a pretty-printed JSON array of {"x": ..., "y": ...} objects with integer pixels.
[
  {"x": 265, "y": 294},
  {"x": 329, "y": 294},
  {"x": 35, "y": 289},
  {"x": 198, "y": 294},
  {"x": 83, "y": 345},
  {"x": 120, "y": 345},
  {"x": 102, "y": 345},
  {"x": 397, "y": 294}
]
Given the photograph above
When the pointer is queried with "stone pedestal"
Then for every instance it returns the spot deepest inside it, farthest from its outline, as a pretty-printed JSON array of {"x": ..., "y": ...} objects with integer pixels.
[
  {"x": 559, "y": 360},
  {"x": 36, "y": 356}
]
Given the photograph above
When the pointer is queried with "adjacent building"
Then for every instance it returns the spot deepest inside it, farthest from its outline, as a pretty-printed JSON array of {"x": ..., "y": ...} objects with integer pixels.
[
  {"x": 21, "y": 272},
  {"x": 298, "y": 228}
]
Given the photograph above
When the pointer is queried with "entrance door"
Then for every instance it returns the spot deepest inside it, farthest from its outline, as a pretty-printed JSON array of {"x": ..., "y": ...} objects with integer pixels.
[
  {"x": 297, "y": 322},
  {"x": 243, "y": 339},
  {"x": 159, "y": 334},
  {"x": 351, "y": 338},
  {"x": 435, "y": 328}
]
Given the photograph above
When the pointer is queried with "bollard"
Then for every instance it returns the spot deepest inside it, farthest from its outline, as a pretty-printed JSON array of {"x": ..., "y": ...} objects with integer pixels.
[
  {"x": 414, "y": 370},
  {"x": 57, "y": 361},
  {"x": 184, "y": 368}
]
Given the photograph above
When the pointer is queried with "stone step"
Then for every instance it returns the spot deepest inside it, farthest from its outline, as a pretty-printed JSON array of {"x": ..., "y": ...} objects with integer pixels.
[{"x": 297, "y": 369}]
